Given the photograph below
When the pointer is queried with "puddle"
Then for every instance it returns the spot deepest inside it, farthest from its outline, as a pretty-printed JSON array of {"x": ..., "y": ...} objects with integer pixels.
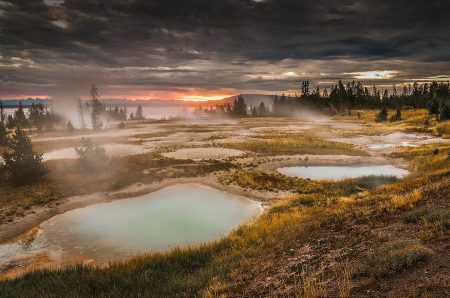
[{"x": 342, "y": 172}]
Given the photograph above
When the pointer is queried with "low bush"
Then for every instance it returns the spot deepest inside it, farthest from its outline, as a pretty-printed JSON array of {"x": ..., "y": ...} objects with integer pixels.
[{"x": 396, "y": 256}]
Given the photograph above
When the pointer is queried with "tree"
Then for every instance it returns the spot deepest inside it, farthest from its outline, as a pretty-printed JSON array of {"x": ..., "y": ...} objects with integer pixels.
[
  {"x": 254, "y": 111},
  {"x": 131, "y": 116},
  {"x": 382, "y": 115},
  {"x": 37, "y": 116},
  {"x": 2, "y": 113},
  {"x": 3, "y": 130},
  {"x": 21, "y": 164},
  {"x": 3, "y": 134},
  {"x": 239, "y": 106},
  {"x": 80, "y": 114},
  {"x": 397, "y": 116},
  {"x": 433, "y": 106},
  {"x": 262, "y": 110},
  {"x": 70, "y": 127},
  {"x": 20, "y": 119},
  {"x": 139, "y": 113},
  {"x": 96, "y": 109},
  {"x": 444, "y": 112}
]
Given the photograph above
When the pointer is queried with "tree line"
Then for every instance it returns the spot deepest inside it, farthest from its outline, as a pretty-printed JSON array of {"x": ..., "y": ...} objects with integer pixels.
[
  {"x": 353, "y": 95},
  {"x": 343, "y": 97}
]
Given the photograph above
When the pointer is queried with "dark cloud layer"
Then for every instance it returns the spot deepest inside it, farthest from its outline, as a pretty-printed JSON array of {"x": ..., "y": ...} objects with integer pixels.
[{"x": 187, "y": 46}]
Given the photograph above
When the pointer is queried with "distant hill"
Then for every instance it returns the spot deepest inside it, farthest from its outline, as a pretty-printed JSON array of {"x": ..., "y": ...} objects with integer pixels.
[
  {"x": 250, "y": 99},
  {"x": 14, "y": 103}
]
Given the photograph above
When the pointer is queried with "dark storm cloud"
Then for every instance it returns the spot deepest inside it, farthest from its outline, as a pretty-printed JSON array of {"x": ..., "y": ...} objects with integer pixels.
[{"x": 216, "y": 44}]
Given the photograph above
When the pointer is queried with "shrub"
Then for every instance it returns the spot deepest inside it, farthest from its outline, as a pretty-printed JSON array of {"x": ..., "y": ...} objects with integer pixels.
[
  {"x": 382, "y": 115},
  {"x": 397, "y": 116},
  {"x": 91, "y": 157},
  {"x": 414, "y": 216},
  {"x": 70, "y": 127},
  {"x": 396, "y": 256},
  {"x": 22, "y": 165}
]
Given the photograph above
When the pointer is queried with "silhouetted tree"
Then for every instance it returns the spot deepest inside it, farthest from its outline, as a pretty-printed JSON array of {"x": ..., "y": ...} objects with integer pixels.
[
  {"x": 19, "y": 120},
  {"x": 382, "y": 115},
  {"x": 262, "y": 110},
  {"x": 239, "y": 106},
  {"x": 3, "y": 130},
  {"x": 70, "y": 127},
  {"x": 139, "y": 113},
  {"x": 81, "y": 114},
  {"x": 37, "y": 116},
  {"x": 444, "y": 112},
  {"x": 254, "y": 111},
  {"x": 397, "y": 116},
  {"x": 96, "y": 109},
  {"x": 3, "y": 135}
]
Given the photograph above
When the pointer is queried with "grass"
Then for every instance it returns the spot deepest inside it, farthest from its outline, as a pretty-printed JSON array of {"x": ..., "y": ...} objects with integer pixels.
[
  {"x": 18, "y": 201},
  {"x": 64, "y": 179},
  {"x": 412, "y": 121},
  {"x": 260, "y": 180},
  {"x": 277, "y": 143},
  {"x": 396, "y": 256},
  {"x": 239, "y": 264},
  {"x": 303, "y": 245}
]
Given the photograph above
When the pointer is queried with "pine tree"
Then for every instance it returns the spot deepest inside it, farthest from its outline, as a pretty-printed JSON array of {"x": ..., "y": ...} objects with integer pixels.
[
  {"x": 81, "y": 115},
  {"x": 239, "y": 106},
  {"x": 70, "y": 127},
  {"x": 3, "y": 130},
  {"x": 37, "y": 116},
  {"x": 254, "y": 112},
  {"x": 139, "y": 113},
  {"x": 2, "y": 113},
  {"x": 3, "y": 134},
  {"x": 96, "y": 109},
  {"x": 262, "y": 110},
  {"x": 382, "y": 115},
  {"x": 20, "y": 119},
  {"x": 444, "y": 112},
  {"x": 22, "y": 164}
]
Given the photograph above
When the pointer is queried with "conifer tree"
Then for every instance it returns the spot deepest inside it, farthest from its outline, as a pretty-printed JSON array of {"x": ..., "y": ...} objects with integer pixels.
[
  {"x": 239, "y": 106},
  {"x": 96, "y": 109},
  {"x": 21, "y": 164},
  {"x": 139, "y": 113}
]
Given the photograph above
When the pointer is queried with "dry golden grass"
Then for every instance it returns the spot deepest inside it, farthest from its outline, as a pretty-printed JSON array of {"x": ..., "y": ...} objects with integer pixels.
[
  {"x": 277, "y": 143},
  {"x": 412, "y": 121}
]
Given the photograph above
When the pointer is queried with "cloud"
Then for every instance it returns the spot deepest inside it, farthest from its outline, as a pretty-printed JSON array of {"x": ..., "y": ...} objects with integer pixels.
[{"x": 136, "y": 47}]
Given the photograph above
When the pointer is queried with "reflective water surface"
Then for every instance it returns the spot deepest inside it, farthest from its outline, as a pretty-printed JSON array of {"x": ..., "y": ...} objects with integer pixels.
[
  {"x": 342, "y": 172},
  {"x": 178, "y": 215}
]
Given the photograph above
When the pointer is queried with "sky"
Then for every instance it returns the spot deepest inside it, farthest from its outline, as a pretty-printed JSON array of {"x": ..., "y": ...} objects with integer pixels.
[{"x": 209, "y": 49}]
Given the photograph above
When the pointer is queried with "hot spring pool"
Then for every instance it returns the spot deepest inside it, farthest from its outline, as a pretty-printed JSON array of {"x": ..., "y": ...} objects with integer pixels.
[
  {"x": 342, "y": 172},
  {"x": 178, "y": 215}
]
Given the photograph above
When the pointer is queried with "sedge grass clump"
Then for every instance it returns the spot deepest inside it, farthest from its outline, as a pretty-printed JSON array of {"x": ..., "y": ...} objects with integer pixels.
[
  {"x": 396, "y": 256},
  {"x": 436, "y": 225},
  {"x": 414, "y": 216}
]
